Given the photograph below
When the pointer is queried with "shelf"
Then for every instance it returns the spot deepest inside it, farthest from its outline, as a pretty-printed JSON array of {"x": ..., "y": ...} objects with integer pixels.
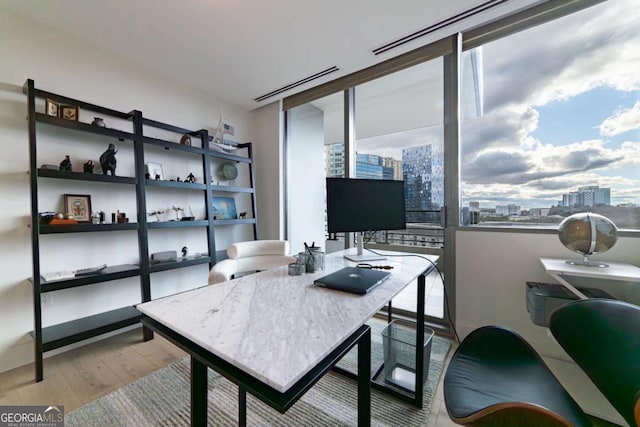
[
  {"x": 112, "y": 272},
  {"x": 80, "y": 176},
  {"x": 82, "y": 228},
  {"x": 168, "y": 145},
  {"x": 136, "y": 127},
  {"x": 221, "y": 155},
  {"x": 178, "y": 224},
  {"x": 230, "y": 189},
  {"x": 180, "y": 263},
  {"x": 233, "y": 221},
  {"x": 176, "y": 184},
  {"x": 57, "y": 336},
  {"x": 85, "y": 127}
]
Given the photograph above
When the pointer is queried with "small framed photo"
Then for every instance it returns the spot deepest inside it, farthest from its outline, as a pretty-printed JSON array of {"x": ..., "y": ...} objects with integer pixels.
[
  {"x": 51, "y": 108},
  {"x": 224, "y": 208},
  {"x": 69, "y": 112},
  {"x": 78, "y": 206},
  {"x": 155, "y": 171}
]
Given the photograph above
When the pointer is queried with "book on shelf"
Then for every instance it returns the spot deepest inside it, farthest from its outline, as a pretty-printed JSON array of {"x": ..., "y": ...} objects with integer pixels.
[{"x": 57, "y": 275}]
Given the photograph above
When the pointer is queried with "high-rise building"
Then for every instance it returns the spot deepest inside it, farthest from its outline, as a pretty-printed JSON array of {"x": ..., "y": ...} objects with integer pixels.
[
  {"x": 570, "y": 199},
  {"x": 372, "y": 166},
  {"x": 396, "y": 165},
  {"x": 591, "y": 195},
  {"x": 423, "y": 171},
  {"x": 594, "y": 195},
  {"x": 334, "y": 159}
]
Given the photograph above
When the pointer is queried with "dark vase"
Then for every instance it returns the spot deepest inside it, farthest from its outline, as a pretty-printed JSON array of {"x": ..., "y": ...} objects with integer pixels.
[{"x": 97, "y": 121}]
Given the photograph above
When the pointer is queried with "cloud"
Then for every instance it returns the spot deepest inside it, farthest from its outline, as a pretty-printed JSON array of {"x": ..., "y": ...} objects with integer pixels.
[
  {"x": 508, "y": 126},
  {"x": 621, "y": 121},
  {"x": 548, "y": 63}
]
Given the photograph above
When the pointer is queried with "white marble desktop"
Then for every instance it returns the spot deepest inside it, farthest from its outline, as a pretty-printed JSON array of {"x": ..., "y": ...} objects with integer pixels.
[{"x": 274, "y": 326}]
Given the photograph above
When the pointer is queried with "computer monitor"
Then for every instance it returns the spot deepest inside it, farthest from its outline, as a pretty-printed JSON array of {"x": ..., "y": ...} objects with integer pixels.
[{"x": 357, "y": 205}]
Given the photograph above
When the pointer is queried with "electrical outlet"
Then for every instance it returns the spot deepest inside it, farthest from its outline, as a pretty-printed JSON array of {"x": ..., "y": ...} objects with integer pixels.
[{"x": 46, "y": 298}]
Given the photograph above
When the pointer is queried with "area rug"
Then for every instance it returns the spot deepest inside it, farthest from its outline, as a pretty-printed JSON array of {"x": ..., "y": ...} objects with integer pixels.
[{"x": 162, "y": 399}]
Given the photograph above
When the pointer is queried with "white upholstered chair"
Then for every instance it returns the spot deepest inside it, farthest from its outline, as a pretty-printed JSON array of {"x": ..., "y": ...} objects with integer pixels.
[{"x": 251, "y": 256}]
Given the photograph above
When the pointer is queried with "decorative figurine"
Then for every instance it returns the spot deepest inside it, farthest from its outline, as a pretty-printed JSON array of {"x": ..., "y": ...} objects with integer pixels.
[
  {"x": 190, "y": 178},
  {"x": 185, "y": 140},
  {"x": 108, "y": 160},
  {"x": 147, "y": 175},
  {"x": 65, "y": 165},
  {"x": 243, "y": 215},
  {"x": 157, "y": 177},
  {"x": 184, "y": 251},
  {"x": 178, "y": 179},
  {"x": 88, "y": 166},
  {"x": 177, "y": 209}
]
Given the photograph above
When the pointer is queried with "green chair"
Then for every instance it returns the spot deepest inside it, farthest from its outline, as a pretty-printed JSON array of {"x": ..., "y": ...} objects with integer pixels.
[{"x": 495, "y": 378}]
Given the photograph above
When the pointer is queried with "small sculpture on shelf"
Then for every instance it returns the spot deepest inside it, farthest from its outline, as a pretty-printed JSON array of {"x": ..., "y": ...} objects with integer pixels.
[
  {"x": 65, "y": 165},
  {"x": 243, "y": 215},
  {"x": 188, "y": 218},
  {"x": 185, "y": 250},
  {"x": 190, "y": 178},
  {"x": 157, "y": 214},
  {"x": 108, "y": 160},
  {"x": 88, "y": 166},
  {"x": 176, "y": 210}
]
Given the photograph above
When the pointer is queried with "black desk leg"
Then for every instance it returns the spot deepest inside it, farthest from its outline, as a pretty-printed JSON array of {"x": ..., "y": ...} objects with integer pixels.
[
  {"x": 198, "y": 393},
  {"x": 242, "y": 406},
  {"x": 364, "y": 383},
  {"x": 419, "y": 386}
]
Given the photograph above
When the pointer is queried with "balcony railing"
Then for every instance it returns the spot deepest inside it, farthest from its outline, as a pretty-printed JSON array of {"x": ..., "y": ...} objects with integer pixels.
[{"x": 423, "y": 230}]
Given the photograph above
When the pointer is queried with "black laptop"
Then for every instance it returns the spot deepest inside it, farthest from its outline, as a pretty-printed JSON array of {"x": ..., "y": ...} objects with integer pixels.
[{"x": 352, "y": 279}]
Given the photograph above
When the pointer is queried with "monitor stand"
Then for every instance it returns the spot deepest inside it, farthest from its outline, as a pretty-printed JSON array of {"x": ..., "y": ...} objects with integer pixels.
[{"x": 360, "y": 256}]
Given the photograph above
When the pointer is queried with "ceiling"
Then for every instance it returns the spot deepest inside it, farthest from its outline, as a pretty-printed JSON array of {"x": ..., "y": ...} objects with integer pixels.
[{"x": 239, "y": 50}]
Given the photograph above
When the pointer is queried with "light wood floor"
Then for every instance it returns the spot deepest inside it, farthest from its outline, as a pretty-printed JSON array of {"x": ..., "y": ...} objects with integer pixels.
[{"x": 82, "y": 375}]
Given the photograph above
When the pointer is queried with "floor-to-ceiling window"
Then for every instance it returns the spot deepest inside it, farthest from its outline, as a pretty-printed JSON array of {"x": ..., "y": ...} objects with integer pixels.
[
  {"x": 397, "y": 133},
  {"x": 559, "y": 129},
  {"x": 399, "y": 136},
  {"x": 513, "y": 82}
]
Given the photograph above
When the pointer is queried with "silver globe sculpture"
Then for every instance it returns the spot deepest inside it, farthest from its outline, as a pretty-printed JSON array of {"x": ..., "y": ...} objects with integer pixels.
[{"x": 587, "y": 234}]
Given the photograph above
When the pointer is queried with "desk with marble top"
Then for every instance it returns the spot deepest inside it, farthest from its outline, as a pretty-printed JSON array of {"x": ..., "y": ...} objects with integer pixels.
[{"x": 276, "y": 335}]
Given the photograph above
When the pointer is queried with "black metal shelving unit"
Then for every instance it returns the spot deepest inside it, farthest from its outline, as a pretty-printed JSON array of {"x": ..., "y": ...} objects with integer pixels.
[
  {"x": 226, "y": 189},
  {"x": 55, "y": 336}
]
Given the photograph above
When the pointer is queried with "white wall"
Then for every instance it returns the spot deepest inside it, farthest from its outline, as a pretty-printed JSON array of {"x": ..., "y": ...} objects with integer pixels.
[
  {"x": 269, "y": 170},
  {"x": 64, "y": 65},
  {"x": 491, "y": 271}
]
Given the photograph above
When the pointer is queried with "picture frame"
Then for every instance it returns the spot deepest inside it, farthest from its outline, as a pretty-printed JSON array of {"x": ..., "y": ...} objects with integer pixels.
[
  {"x": 79, "y": 206},
  {"x": 224, "y": 208},
  {"x": 69, "y": 112},
  {"x": 51, "y": 108},
  {"x": 155, "y": 171}
]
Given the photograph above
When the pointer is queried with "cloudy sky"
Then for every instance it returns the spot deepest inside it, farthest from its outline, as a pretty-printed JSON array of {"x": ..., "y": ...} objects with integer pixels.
[{"x": 561, "y": 110}]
